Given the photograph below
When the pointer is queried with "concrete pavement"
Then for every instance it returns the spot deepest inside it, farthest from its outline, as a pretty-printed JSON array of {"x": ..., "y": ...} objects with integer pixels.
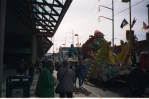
[{"x": 79, "y": 92}]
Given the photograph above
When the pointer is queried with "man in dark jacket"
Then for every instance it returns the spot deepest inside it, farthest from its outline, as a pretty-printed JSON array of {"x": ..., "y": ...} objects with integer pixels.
[
  {"x": 81, "y": 70},
  {"x": 46, "y": 83}
]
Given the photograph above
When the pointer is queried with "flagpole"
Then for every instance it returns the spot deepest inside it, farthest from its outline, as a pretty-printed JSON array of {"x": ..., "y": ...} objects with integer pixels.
[{"x": 124, "y": 64}]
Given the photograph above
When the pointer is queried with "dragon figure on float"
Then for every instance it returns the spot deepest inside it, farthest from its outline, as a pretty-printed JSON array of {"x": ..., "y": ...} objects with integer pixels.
[{"x": 107, "y": 64}]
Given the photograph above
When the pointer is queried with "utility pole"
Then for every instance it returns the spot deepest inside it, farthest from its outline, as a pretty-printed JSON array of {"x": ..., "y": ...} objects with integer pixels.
[
  {"x": 65, "y": 41},
  {"x": 111, "y": 20},
  {"x": 113, "y": 25},
  {"x": 72, "y": 37},
  {"x": 130, "y": 18}
]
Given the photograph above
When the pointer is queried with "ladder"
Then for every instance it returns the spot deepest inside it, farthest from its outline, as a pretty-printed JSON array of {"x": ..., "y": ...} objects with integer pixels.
[{"x": 89, "y": 72}]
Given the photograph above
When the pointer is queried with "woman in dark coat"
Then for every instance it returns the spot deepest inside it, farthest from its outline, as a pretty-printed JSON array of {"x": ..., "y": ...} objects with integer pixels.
[{"x": 66, "y": 86}]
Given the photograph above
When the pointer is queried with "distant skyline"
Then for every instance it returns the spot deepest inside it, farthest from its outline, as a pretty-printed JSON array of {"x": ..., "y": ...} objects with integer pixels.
[{"x": 82, "y": 19}]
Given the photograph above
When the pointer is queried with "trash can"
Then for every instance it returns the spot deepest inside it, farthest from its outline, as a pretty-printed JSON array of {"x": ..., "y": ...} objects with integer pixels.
[{"x": 18, "y": 86}]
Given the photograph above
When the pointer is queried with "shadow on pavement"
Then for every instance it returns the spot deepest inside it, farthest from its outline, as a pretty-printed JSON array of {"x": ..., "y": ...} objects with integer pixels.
[
  {"x": 118, "y": 87},
  {"x": 82, "y": 91}
]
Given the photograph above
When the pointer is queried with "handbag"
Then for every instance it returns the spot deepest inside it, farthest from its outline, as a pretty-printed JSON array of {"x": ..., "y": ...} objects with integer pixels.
[{"x": 57, "y": 88}]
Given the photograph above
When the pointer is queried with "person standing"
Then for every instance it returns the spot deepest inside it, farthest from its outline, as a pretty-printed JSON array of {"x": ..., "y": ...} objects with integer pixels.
[
  {"x": 31, "y": 69},
  {"x": 21, "y": 67},
  {"x": 17, "y": 66},
  {"x": 73, "y": 67},
  {"x": 72, "y": 51},
  {"x": 66, "y": 86},
  {"x": 81, "y": 70},
  {"x": 25, "y": 66},
  {"x": 46, "y": 81},
  {"x": 40, "y": 66},
  {"x": 43, "y": 63}
]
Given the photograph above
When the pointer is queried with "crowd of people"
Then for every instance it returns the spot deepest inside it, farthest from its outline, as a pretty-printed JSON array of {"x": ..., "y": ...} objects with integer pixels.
[
  {"x": 31, "y": 66},
  {"x": 66, "y": 75}
]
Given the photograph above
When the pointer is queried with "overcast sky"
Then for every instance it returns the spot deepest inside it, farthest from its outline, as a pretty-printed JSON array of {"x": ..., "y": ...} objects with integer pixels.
[{"x": 82, "y": 18}]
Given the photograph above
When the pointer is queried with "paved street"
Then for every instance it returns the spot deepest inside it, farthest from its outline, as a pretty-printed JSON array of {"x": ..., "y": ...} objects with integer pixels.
[
  {"x": 112, "y": 89},
  {"x": 79, "y": 92}
]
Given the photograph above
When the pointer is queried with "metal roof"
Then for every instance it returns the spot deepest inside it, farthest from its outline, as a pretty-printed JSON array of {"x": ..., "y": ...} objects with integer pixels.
[
  {"x": 39, "y": 17},
  {"x": 42, "y": 17}
]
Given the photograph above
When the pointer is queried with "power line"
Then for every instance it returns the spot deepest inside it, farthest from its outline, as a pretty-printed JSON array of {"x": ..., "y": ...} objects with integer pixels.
[
  {"x": 116, "y": 14},
  {"x": 124, "y": 10},
  {"x": 88, "y": 14},
  {"x": 96, "y": 14},
  {"x": 108, "y": 5}
]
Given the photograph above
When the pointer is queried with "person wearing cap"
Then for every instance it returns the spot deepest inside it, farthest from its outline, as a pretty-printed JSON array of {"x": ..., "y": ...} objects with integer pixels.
[{"x": 46, "y": 81}]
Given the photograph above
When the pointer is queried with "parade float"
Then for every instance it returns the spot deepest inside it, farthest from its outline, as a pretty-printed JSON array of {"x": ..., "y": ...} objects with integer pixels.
[
  {"x": 102, "y": 64},
  {"x": 69, "y": 53}
]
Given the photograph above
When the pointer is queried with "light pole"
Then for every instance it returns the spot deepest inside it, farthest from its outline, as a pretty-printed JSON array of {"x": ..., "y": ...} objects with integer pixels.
[
  {"x": 110, "y": 19},
  {"x": 53, "y": 47},
  {"x": 77, "y": 38},
  {"x": 125, "y": 1},
  {"x": 64, "y": 45},
  {"x": 90, "y": 36},
  {"x": 112, "y": 29},
  {"x": 131, "y": 43},
  {"x": 65, "y": 41},
  {"x": 72, "y": 36}
]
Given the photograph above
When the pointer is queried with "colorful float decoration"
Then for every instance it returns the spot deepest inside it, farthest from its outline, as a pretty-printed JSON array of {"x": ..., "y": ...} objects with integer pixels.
[{"x": 102, "y": 64}]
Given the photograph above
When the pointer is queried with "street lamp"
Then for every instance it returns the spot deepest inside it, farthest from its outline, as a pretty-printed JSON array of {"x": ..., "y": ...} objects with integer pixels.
[
  {"x": 77, "y": 38},
  {"x": 126, "y": 59},
  {"x": 104, "y": 7},
  {"x": 64, "y": 45},
  {"x": 110, "y": 19},
  {"x": 90, "y": 36},
  {"x": 148, "y": 14},
  {"x": 125, "y": 1},
  {"x": 72, "y": 36},
  {"x": 103, "y": 17}
]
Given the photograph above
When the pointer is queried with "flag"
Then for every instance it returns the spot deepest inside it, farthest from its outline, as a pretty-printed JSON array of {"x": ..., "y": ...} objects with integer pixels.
[
  {"x": 124, "y": 23},
  {"x": 144, "y": 26},
  {"x": 133, "y": 22}
]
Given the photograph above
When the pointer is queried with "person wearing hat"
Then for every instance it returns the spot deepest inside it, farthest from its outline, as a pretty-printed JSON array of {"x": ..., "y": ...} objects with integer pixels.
[{"x": 46, "y": 81}]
